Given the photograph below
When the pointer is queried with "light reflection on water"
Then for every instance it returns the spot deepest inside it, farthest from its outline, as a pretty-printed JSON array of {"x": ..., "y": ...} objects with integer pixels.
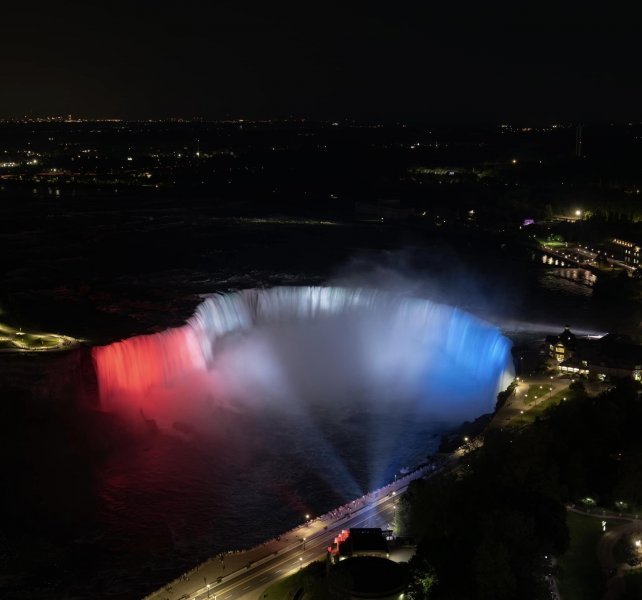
[
  {"x": 309, "y": 398},
  {"x": 568, "y": 281},
  {"x": 181, "y": 498}
]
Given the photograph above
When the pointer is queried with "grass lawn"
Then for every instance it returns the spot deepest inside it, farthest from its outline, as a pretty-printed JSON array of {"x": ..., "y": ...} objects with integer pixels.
[
  {"x": 622, "y": 550},
  {"x": 633, "y": 586},
  {"x": 14, "y": 339},
  {"x": 581, "y": 576},
  {"x": 537, "y": 392},
  {"x": 537, "y": 411},
  {"x": 552, "y": 244},
  {"x": 309, "y": 583}
]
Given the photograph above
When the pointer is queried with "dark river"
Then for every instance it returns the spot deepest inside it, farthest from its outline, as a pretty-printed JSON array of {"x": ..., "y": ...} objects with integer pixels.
[{"x": 93, "y": 509}]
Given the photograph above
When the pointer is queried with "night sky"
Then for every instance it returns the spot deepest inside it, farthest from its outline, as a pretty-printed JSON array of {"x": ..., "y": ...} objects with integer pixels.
[{"x": 460, "y": 61}]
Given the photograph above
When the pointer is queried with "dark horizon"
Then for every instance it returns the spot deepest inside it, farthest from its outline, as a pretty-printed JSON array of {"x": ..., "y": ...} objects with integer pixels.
[{"x": 489, "y": 64}]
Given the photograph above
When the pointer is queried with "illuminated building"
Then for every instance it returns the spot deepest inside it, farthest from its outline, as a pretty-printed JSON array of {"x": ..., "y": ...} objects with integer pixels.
[
  {"x": 561, "y": 347},
  {"x": 611, "y": 356},
  {"x": 626, "y": 251},
  {"x": 359, "y": 542}
]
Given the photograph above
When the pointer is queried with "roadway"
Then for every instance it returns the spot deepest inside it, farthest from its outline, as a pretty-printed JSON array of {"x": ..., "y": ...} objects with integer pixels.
[
  {"x": 584, "y": 258},
  {"x": 613, "y": 570},
  {"x": 243, "y": 576},
  {"x": 250, "y": 585}
]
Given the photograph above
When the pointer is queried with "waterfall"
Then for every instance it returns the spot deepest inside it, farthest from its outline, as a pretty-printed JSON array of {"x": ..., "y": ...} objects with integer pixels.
[{"x": 448, "y": 344}]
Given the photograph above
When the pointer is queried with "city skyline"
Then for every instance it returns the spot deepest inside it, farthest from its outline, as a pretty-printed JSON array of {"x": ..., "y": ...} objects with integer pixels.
[{"x": 470, "y": 63}]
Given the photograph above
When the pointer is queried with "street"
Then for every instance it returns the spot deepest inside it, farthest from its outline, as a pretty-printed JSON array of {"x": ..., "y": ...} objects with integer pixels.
[{"x": 245, "y": 574}]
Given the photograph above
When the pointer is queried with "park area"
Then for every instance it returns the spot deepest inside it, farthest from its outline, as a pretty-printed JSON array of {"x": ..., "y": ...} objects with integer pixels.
[
  {"x": 580, "y": 575},
  {"x": 21, "y": 341}
]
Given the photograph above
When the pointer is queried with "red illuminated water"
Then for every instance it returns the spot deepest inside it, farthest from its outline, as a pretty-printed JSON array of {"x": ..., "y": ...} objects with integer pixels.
[{"x": 139, "y": 364}]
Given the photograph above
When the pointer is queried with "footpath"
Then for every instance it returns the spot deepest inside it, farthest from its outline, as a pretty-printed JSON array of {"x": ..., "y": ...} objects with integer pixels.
[{"x": 226, "y": 566}]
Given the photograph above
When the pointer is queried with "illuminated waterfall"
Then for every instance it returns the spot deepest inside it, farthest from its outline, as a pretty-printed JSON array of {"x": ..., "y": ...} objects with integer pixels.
[{"x": 450, "y": 347}]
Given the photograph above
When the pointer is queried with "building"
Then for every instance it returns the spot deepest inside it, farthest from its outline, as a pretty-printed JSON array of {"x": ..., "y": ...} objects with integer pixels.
[
  {"x": 611, "y": 356},
  {"x": 625, "y": 251},
  {"x": 359, "y": 566},
  {"x": 367, "y": 577},
  {"x": 359, "y": 541},
  {"x": 561, "y": 347}
]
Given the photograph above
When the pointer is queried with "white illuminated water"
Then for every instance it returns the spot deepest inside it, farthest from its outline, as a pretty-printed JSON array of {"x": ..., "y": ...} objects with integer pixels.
[{"x": 448, "y": 361}]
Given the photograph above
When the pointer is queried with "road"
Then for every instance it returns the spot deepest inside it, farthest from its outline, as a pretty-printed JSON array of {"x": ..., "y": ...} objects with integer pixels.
[
  {"x": 249, "y": 586},
  {"x": 243, "y": 576},
  {"x": 615, "y": 571},
  {"x": 576, "y": 254}
]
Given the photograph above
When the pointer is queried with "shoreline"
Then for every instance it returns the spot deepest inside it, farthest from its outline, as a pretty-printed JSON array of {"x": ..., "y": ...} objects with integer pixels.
[{"x": 223, "y": 568}]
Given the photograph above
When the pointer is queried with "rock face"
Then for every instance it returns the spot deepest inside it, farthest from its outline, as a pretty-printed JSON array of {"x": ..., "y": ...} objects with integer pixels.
[{"x": 65, "y": 376}]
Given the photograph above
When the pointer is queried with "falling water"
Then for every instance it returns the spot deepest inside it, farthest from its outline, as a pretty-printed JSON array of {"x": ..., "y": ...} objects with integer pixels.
[
  {"x": 276, "y": 402},
  {"x": 444, "y": 354}
]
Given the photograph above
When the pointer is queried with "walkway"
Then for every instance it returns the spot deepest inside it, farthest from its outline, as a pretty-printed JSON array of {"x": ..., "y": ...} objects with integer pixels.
[{"x": 231, "y": 574}]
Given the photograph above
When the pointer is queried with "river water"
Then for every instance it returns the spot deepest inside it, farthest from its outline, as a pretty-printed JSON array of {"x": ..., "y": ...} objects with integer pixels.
[{"x": 100, "y": 512}]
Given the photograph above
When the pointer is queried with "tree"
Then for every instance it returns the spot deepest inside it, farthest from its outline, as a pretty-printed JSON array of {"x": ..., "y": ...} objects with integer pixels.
[
  {"x": 422, "y": 578},
  {"x": 493, "y": 573}
]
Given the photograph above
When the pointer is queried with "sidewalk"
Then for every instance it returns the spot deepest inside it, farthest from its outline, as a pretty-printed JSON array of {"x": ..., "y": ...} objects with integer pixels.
[{"x": 226, "y": 566}]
